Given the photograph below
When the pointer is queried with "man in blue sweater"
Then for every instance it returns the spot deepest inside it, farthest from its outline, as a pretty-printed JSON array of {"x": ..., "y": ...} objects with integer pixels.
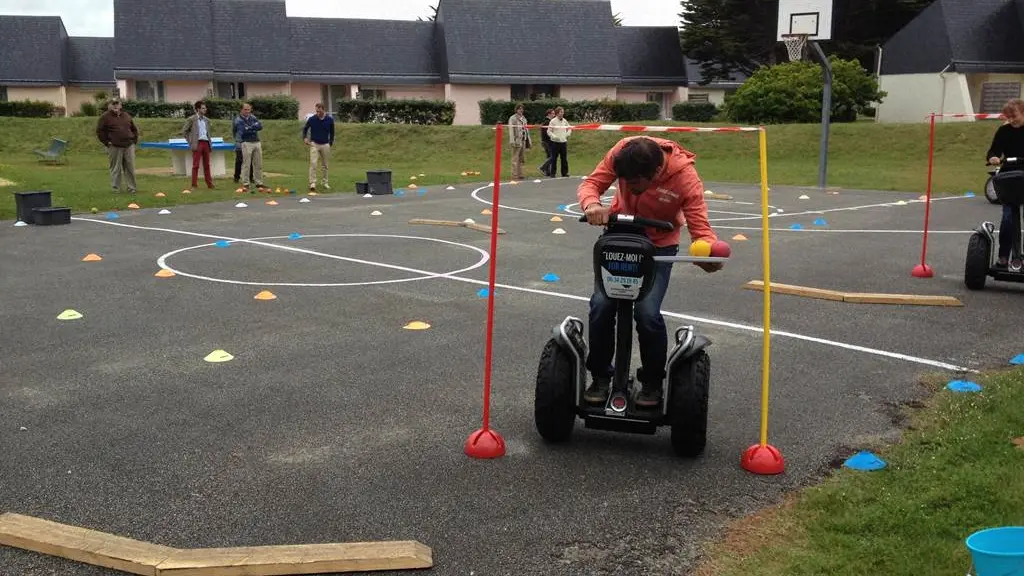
[
  {"x": 318, "y": 134},
  {"x": 246, "y": 130}
]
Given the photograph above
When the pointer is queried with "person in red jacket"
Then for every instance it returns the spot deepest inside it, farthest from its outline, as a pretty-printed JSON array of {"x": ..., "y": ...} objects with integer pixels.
[{"x": 656, "y": 179}]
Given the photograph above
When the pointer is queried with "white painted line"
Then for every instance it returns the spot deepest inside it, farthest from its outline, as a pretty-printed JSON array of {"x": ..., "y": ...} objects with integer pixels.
[
  {"x": 696, "y": 319},
  {"x": 484, "y": 258}
]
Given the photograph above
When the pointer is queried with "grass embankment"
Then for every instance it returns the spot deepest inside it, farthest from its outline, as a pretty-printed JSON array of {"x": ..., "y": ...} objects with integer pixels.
[
  {"x": 862, "y": 155},
  {"x": 956, "y": 471}
]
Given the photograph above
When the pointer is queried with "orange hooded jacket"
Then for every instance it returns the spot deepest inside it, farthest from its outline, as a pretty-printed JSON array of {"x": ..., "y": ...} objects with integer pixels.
[{"x": 676, "y": 194}]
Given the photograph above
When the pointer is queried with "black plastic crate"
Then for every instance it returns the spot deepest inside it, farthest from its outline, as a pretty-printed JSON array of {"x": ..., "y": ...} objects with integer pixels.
[
  {"x": 362, "y": 188},
  {"x": 28, "y": 200},
  {"x": 51, "y": 216},
  {"x": 379, "y": 182}
]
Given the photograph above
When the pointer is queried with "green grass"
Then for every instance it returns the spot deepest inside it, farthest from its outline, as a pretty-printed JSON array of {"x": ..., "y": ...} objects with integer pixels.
[
  {"x": 955, "y": 472},
  {"x": 863, "y": 155}
]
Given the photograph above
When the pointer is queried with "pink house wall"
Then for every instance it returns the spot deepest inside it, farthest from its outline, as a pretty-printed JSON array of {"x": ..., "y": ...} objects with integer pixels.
[
  {"x": 308, "y": 94},
  {"x": 429, "y": 92},
  {"x": 267, "y": 88},
  {"x": 182, "y": 90},
  {"x": 468, "y": 96},
  {"x": 573, "y": 92}
]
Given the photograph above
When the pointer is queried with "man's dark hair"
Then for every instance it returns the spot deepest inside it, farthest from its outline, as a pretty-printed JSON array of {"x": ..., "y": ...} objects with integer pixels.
[
  {"x": 640, "y": 157},
  {"x": 199, "y": 104}
]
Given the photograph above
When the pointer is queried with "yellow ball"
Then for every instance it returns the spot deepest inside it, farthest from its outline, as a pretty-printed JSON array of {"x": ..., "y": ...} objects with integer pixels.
[
  {"x": 94, "y": 210},
  {"x": 700, "y": 249}
]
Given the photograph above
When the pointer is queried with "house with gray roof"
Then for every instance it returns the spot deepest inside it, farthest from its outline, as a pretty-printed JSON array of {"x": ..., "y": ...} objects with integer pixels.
[
  {"x": 41, "y": 62},
  {"x": 185, "y": 50},
  {"x": 955, "y": 57}
]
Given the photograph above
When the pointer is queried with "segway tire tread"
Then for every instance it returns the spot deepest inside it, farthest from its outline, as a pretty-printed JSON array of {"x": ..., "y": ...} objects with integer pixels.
[
  {"x": 990, "y": 192},
  {"x": 976, "y": 265},
  {"x": 554, "y": 408},
  {"x": 688, "y": 405}
]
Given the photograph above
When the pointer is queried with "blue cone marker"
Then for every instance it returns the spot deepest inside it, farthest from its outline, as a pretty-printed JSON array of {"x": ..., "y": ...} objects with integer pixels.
[
  {"x": 561, "y": 207},
  {"x": 820, "y": 222},
  {"x": 864, "y": 460},
  {"x": 963, "y": 386},
  {"x": 483, "y": 293},
  {"x": 399, "y": 193},
  {"x": 550, "y": 277},
  {"x": 1018, "y": 359},
  {"x": 796, "y": 227},
  {"x": 294, "y": 236},
  {"x": 222, "y": 244},
  {"x": 969, "y": 194},
  {"x": 112, "y": 216}
]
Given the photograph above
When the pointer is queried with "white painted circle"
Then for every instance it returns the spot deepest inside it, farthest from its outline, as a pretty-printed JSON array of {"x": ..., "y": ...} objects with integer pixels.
[{"x": 484, "y": 257}]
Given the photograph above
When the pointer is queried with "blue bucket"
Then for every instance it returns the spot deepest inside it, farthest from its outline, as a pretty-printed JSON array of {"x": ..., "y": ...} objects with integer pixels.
[{"x": 997, "y": 551}]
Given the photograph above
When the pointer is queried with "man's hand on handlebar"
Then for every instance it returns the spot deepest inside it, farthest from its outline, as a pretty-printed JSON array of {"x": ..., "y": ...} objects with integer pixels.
[
  {"x": 994, "y": 161},
  {"x": 597, "y": 214}
]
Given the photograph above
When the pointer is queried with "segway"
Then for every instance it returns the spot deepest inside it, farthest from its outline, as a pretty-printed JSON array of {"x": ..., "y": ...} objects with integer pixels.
[
  {"x": 624, "y": 270},
  {"x": 990, "y": 189},
  {"x": 982, "y": 255}
]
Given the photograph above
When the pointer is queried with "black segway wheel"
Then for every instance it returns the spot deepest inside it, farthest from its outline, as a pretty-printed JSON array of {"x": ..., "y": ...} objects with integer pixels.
[
  {"x": 976, "y": 265},
  {"x": 990, "y": 191},
  {"x": 554, "y": 406},
  {"x": 688, "y": 405}
]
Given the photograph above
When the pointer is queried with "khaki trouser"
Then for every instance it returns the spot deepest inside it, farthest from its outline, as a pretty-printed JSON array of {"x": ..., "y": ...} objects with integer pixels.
[
  {"x": 318, "y": 154},
  {"x": 252, "y": 157},
  {"x": 122, "y": 163},
  {"x": 518, "y": 158}
]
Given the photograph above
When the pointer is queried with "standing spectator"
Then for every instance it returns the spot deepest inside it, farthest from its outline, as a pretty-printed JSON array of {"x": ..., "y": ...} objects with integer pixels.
[
  {"x": 247, "y": 131},
  {"x": 318, "y": 134},
  {"x": 116, "y": 130},
  {"x": 559, "y": 131},
  {"x": 197, "y": 132},
  {"x": 548, "y": 167},
  {"x": 519, "y": 137}
]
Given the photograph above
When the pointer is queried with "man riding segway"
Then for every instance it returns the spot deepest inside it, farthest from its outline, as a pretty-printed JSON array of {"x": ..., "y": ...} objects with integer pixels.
[{"x": 657, "y": 180}]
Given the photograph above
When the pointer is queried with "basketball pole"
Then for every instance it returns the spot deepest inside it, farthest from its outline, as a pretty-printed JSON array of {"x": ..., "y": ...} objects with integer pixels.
[{"x": 826, "y": 116}]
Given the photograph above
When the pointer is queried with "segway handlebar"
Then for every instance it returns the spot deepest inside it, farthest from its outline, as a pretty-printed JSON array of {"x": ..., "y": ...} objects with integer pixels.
[{"x": 637, "y": 221}]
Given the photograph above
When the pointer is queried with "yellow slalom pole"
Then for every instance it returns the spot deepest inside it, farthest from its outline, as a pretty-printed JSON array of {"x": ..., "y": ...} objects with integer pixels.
[{"x": 765, "y": 251}]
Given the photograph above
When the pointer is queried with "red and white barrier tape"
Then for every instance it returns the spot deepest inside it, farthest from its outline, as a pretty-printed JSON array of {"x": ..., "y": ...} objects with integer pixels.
[
  {"x": 979, "y": 116},
  {"x": 640, "y": 128}
]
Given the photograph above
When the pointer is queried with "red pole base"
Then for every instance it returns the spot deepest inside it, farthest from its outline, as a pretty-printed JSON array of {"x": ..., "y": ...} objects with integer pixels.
[
  {"x": 922, "y": 271},
  {"x": 485, "y": 443},
  {"x": 764, "y": 460}
]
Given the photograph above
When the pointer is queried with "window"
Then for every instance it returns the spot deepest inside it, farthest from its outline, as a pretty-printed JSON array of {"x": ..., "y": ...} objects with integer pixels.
[
  {"x": 995, "y": 94},
  {"x": 521, "y": 92},
  {"x": 331, "y": 93},
  {"x": 3, "y": 93},
  {"x": 372, "y": 94},
  {"x": 149, "y": 90},
  {"x": 231, "y": 90},
  {"x": 698, "y": 98}
]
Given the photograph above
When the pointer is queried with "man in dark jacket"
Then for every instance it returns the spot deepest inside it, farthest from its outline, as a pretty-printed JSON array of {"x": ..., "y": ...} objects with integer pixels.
[
  {"x": 548, "y": 167},
  {"x": 117, "y": 132}
]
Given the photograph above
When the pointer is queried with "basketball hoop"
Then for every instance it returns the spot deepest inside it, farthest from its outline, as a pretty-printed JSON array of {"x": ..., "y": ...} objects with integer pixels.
[{"x": 795, "y": 44}]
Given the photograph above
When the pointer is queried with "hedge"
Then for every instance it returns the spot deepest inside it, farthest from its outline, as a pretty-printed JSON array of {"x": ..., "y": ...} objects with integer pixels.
[
  {"x": 586, "y": 111},
  {"x": 694, "y": 112},
  {"x": 263, "y": 107},
  {"x": 411, "y": 111},
  {"x": 30, "y": 109}
]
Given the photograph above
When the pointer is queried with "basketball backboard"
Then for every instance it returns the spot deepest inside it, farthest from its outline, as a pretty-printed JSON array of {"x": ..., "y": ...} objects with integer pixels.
[{"x": 811, "y": 17}]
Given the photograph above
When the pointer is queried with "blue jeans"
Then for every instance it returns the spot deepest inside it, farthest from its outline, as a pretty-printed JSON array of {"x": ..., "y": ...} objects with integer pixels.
[
  {"x": 650, "y": 326},
  {"x": 1007, "y": 231}
]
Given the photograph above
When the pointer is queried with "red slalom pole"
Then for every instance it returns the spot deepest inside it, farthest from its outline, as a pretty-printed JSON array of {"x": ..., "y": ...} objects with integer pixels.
[
  {"x": 923, "y": 270},
  {"x": 486, "y": 443}
]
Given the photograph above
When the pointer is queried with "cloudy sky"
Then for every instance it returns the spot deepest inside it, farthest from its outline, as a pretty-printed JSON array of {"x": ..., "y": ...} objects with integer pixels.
[{"x": 96, "y": 17}]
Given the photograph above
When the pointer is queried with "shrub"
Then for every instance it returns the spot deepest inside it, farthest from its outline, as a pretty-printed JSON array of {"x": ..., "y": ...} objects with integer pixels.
[
  {"x": 694, "y": 112},
  {"x": 584, "y": 111},
  {"x": 29, "y": 109},
  {"x": 264, "y": 107},
  {"x": 791, "y": 92},
  {"x": 401, "y": 111}
]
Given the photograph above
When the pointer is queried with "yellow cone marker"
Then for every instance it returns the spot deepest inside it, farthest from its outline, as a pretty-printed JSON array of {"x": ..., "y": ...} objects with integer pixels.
[
  {"x": 417, "y": 325},
  {"x": 486, "y": 211},
  {"x": 271, "y": 202},
  {"x": 92, "y": 258},
  {"x": 69, "y": 314},
  {"x": 133, "y": 206},
  {"x": 159, "y": 194},
  {"x": 556, "y": 218},
  {"x": 739, "y": 237},
  {"x": 218, "y": 356},
  {"x": 265, "y": 295},
  {"x": 413, "y": 186},
  {"x": 164, "y": 273},
  {"x": 186, "y": 191},
  {"x": 311, "y": 194}
]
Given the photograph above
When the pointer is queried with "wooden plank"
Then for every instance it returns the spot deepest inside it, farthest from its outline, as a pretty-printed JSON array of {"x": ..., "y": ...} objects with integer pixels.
[
  {"x": 298, "y": 559},
  {"x": 437, "y": 222},
  {"x": 906, "y": 299},
  {"x": 791, "y": 289},
  {"x": 482, "y": 228},
  {"x": 717, "y": 196},
  {"x": 81, "y": 544}
]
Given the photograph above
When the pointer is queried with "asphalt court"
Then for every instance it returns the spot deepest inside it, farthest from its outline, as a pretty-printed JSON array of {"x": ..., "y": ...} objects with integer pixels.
[{"x": 333, "y": 423}]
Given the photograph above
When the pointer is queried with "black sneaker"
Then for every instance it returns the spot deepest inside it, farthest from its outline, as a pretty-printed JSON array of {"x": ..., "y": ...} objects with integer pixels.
[
  {"x": 597, "y": 393},
  {"x": 649, "y": 397}
]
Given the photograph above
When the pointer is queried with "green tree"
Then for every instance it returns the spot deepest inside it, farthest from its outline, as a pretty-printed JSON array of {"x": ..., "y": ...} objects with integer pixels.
[{"x": 792, "y": 92}]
